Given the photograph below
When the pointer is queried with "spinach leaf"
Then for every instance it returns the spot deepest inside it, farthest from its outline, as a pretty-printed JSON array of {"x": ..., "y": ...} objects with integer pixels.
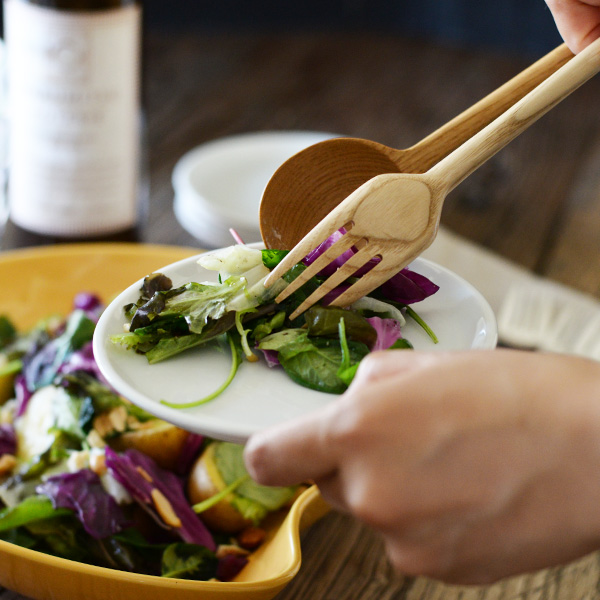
[
  {"x": 324, "y": 321},
  {"x": 265, "y": 327},
  {"x": 19, "y": 537},
  {"x": 189, "y": 561},
  {"x": 64, "y": 536},
  {"x": 129, "y": 550},
  {"x": 313, "y": 362},
  {"x": 33, "y": 508}
]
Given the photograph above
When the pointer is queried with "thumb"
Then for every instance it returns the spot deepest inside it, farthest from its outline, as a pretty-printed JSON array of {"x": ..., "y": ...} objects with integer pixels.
[{"x": 293, "y": 452}]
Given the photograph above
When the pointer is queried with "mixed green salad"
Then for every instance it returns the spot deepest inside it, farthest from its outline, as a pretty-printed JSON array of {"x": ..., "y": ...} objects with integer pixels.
[
  {"x": 85, "y": 475},
  {"x": 321, "y": 349}
]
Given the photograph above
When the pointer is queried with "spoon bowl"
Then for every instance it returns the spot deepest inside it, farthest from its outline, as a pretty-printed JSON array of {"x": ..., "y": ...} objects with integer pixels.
[{"x": 310, "y": 184}]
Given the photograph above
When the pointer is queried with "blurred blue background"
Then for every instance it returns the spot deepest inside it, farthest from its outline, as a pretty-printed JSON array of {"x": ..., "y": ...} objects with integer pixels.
[{"x": 515, "y": 26}]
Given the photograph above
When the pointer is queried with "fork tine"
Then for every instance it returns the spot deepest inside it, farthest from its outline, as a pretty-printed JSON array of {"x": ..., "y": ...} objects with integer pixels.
[
  {"x": 354, "y": 263},
  {"x": 309, "y": 242},
  {"x": 380, "y": 273},
  {"x": 344, "y": 243}
]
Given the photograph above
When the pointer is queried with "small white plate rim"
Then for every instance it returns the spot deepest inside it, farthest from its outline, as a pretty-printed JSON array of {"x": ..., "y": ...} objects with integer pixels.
[
  {"x": 279, "y": 144},
  {"x": 232, "y": 415}
]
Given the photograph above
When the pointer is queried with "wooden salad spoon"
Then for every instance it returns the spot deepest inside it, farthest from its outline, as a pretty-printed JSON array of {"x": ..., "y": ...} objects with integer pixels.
[
  {"x": 314, "y": 181},
  {"x": 394, "y": 217}
]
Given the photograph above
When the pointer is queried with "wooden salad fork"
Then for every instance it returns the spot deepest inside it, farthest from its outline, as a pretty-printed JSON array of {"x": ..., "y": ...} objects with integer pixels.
[{"x": 392, "y": 218}]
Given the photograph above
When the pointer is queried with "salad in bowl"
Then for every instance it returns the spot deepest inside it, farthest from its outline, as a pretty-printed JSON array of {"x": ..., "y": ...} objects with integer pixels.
[{"x": 85, "y": 475}]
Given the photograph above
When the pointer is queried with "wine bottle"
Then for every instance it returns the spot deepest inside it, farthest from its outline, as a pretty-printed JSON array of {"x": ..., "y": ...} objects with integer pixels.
[{"x": 73, "y": 85}]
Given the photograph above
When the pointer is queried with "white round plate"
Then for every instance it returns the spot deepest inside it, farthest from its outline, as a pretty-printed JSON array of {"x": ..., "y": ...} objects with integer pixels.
[
  {"x": 219, "y": 185},
  {"x": 260, "y": 396}
]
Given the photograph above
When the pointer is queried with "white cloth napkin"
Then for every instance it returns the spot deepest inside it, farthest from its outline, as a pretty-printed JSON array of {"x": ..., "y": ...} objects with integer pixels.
[{"x": 531, "y": 311}]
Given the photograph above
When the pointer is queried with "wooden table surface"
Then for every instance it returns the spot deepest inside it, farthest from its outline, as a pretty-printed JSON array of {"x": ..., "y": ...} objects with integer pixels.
[{"x": 536, "y": 203}]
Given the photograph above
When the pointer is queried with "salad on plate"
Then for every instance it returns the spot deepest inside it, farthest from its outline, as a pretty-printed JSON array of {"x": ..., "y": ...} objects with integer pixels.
[{"x": 321, "y": 349}]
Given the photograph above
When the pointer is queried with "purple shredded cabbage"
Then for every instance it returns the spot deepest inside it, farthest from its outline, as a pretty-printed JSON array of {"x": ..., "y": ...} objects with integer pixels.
[
  {"x": 82, "y": 492},
  {"x": 131, "y": 469},
  {"x": 8, "y": 439},
  {"x": 388, "y": 332},
  {"x": 22, "y": 394},
  {"x": 229, "y": 566},
  {"x": 406, "y": 287},
  {"x": 90, "y": 304}
]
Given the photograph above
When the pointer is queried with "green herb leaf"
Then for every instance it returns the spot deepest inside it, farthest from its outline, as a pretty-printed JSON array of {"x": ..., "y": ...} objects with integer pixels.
[
  {"x": 271, "y": 258},
  {"x": 189, "y": 561}
]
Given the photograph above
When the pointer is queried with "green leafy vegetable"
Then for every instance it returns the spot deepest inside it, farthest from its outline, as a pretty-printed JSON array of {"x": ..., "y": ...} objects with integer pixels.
[
  {"x": 325, "y": 320},
  {"x": 252, "y": 500},
  {"x": 8, "y": 332},
  {"x": 189, "y": 561},
  {"x": 271, "y": 258},
  {"x": 312, "y": 361},
  {"x": 265, "y": 327},
  {"x": 33, "y": 508}
]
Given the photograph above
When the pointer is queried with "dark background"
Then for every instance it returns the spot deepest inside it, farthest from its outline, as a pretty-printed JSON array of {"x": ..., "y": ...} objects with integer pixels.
[{"x": 520, "y": 27}]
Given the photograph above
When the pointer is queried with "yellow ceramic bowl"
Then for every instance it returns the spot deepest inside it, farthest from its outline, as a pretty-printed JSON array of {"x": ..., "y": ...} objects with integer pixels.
[{"x": 43, "y": 281}]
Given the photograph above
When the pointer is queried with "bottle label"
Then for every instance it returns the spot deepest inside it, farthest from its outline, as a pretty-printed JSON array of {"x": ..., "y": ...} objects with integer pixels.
[{"x": 73, "y": 109}]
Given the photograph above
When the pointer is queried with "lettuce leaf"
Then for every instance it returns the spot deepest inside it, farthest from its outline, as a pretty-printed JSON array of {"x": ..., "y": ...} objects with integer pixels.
[{"x": 252, "y": 500}]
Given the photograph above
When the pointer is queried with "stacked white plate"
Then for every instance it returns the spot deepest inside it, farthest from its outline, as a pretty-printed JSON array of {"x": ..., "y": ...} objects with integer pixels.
[{"x": 218, "y": 186}]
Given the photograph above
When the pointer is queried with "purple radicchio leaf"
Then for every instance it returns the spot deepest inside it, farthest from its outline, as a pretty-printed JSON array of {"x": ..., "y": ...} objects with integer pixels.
[
  {"x": 191, "y": 449},
  {"x": 82, "y": 492},
  {"x": 83, "y": 360},
  {"x": 271, "y": 356},
  {"x": 90, "y": 304},
  {"x": 388, "y": 332},
  {"x": 406, "y": 287},
  {"x": 229, "y": 566},
  {"x": 22, "y": 394},
  {"x": 8, "y": 439},
  {"x": 141, "y": 476},
  {"x": 321, "y": 248}
]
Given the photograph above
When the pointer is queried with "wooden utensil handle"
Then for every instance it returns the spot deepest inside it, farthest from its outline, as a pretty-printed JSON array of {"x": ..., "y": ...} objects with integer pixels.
[
  {"x": 450, "y": 171},
  {"x": 450, "y": 136}
]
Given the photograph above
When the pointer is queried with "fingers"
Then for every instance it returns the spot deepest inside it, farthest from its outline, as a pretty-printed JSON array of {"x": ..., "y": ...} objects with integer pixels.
[
  {"x": 391, "y": 363},
  {"x": 309, "y": 448},
  {"x": 578, "y": 21},
  {"x": 293, "y": 452}
]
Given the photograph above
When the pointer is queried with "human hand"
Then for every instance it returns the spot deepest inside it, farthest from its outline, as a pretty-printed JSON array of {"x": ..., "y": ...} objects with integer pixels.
[
  {"x": 473, "y": 466},
  {"x": 578, "y": 21}
]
